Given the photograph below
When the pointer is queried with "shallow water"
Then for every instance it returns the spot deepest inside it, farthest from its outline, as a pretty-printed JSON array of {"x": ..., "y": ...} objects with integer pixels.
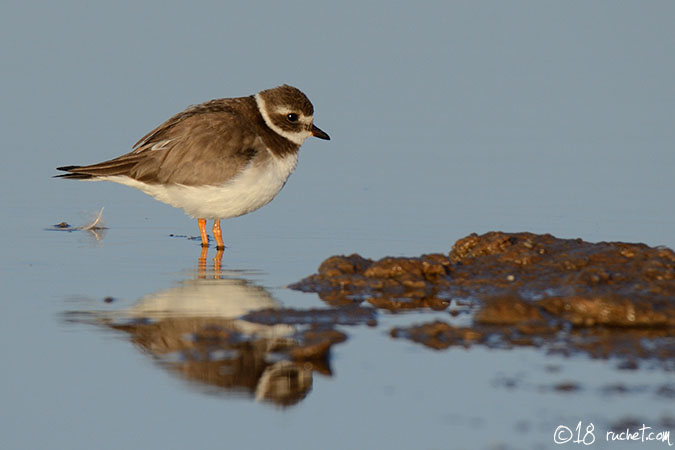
[{"x": 521, "y": 118}]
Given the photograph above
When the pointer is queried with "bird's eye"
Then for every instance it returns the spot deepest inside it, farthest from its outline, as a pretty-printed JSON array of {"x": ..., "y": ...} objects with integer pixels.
[{"x": 292, "y": 117}]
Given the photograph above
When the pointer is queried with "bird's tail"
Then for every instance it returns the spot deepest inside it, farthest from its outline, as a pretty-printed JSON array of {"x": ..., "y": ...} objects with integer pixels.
[
  {"x": 118, "y": 166},
  {"x": 73, "y": 175}
]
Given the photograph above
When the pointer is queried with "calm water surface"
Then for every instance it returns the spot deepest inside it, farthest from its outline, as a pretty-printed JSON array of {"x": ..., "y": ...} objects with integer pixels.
[{"x": 446, "y": 120}]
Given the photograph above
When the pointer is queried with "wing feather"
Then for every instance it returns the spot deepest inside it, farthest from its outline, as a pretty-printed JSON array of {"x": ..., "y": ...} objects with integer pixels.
[{"x": 205, "y": 144}]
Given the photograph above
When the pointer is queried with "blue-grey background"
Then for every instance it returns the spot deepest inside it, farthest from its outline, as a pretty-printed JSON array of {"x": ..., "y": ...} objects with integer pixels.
[{"x": 446, "y": 118}]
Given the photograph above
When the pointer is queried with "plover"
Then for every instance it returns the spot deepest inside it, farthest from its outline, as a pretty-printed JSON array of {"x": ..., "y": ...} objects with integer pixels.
[{"x": 220, "y": 159}]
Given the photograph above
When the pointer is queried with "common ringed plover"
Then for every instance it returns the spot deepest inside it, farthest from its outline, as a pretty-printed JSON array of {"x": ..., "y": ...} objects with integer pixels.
[{"x": 221, "y": 159}]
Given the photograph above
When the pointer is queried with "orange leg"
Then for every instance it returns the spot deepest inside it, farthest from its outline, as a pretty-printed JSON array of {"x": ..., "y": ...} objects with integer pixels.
[
  {"x": 218, "y": 234},
  {"x": 202, "y": 231}
]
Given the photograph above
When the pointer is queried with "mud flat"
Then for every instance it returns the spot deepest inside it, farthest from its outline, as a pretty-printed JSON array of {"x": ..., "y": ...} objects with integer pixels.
[{"x": 607, "y": 299}]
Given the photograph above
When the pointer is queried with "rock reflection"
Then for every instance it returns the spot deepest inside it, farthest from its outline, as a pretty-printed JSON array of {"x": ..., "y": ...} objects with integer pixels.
[{"x": 197, "y": 330}]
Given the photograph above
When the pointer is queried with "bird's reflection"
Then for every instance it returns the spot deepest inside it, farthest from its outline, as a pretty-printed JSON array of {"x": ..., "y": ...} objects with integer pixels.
[
  {"x": 217, "y": 263},
  {"x": 195, "y": 329}
]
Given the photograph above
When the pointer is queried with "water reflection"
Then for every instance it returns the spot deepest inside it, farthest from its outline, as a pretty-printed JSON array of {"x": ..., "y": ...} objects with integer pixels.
[{"x": 196, "y": 330}]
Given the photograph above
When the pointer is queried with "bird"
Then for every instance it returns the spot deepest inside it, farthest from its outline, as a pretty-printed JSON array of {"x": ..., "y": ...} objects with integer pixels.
[{"x": 216, "y": 160}]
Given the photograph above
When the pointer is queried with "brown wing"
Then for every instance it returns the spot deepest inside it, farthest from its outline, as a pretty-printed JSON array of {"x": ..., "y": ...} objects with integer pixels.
[{"x": 206, "y": 144}]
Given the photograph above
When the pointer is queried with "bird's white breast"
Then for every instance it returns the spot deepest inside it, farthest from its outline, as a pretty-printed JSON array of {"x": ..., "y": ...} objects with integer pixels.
[{"x": 252, "y": 188}]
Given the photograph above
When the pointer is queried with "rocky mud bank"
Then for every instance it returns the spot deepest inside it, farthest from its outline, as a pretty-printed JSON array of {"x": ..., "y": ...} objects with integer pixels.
[{"x": 607, "y": 299}]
